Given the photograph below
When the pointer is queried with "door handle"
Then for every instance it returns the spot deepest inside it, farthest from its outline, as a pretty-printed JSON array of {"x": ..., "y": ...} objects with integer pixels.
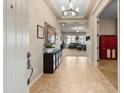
[
  {"x": 28, "y": 81},
  {"x": 29, "y": 67},
  {"x": 28, "y": 60}
]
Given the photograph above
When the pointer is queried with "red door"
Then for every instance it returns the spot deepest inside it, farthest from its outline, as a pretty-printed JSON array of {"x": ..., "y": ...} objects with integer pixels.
[
  {"x": 108, "y": 42},
  {"x": 113, "y": 45},
  {"x": 103, "y": 47}
]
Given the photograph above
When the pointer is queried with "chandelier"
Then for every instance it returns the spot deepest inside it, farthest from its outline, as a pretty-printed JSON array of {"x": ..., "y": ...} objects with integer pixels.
[
  {"x": 77, "y": 29},
  {"x": 71, "y": 11}
]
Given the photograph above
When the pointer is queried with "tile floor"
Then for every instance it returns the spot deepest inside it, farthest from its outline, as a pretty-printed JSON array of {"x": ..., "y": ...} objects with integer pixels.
[
  {"x": 110, "y": 69},
  {"x": 74, "y": 75},
  {"x": 74, "y": 52}
]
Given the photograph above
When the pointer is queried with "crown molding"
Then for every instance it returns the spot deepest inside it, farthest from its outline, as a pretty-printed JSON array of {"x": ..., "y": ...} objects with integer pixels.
[
  {"x": 82, "y": 21},
  {"x": 53, "y": 7},
  {"x": 90, "y": 8}
]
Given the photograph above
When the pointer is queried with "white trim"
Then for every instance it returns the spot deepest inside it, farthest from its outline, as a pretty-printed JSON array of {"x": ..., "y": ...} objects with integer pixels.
[
  {"x": 35, "y": 79},
  {"x": 96, "y": 6},
  {"x": 73, "y": 21},
  {"x": 88, "y": 59},
  {"x": 4, "y": 46}
]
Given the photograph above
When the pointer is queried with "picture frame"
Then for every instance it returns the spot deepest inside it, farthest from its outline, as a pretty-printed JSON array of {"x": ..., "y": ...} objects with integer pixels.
[{"x": 40, "y": 32}]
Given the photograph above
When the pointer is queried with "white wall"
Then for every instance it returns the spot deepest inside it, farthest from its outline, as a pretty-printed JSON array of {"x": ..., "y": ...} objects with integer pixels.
[
  {"x": 38, "y": 13},
  {"x": 107, "y": 27}
]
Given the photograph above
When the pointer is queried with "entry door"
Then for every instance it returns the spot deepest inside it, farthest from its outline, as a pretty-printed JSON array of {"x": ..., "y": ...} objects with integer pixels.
[{"x": 15, "y": 47}]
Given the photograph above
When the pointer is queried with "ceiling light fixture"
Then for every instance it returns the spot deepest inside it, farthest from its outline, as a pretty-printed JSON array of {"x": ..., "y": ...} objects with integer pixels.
[
  {"x": 63, "y": 24},
  {"x": 77, "y": 29},
  {"x": 71, "y": 11}
]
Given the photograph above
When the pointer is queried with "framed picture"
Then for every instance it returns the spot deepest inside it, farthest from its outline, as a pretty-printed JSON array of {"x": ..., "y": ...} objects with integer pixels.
[{"x": 40, "y": 32}]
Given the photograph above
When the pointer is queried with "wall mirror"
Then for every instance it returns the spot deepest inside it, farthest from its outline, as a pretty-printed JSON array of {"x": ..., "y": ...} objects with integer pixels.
[{"x": 50, "y": 34}]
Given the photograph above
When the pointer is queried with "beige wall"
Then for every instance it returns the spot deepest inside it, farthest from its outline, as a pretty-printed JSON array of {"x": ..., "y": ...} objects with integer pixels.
[
  {"x": 108, "y": 27},
  {"x": 64, "y": 34},
  {"x": 90, "y": 43},
  {"x": 38, "y": 12},
  {"x": 92, "y": 31}
]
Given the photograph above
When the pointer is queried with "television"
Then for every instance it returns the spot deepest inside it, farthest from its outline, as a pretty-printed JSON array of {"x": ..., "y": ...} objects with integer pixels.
[{"x": 87, "y": 38}]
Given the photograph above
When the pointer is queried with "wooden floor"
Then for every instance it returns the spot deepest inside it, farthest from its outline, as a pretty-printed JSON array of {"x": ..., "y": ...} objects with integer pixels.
[
  {"x": 74, "y": 75},
  {"x": 110, "y": 70}
]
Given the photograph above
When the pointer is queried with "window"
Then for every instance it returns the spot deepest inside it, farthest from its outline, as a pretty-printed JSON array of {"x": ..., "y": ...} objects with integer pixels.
[
  {"x": 82, "y": 40},
  {"x": 72, "y": 39}
]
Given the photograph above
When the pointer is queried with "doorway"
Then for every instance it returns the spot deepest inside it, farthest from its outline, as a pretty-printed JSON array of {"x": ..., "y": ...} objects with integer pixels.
[
  {"x": 107, "y": 42},
  {"x": 74, "y": 38}
]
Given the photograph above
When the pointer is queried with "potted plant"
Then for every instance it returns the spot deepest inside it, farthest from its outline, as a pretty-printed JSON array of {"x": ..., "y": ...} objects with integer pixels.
[{"x": 49, "y": 47}]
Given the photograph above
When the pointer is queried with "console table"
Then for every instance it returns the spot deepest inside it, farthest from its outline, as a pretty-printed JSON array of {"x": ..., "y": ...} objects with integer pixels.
[{"x": 52, "y": 61}]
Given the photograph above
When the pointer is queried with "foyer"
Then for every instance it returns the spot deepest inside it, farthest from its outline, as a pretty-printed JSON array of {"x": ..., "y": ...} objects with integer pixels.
[{"x": 60, "y": 46}]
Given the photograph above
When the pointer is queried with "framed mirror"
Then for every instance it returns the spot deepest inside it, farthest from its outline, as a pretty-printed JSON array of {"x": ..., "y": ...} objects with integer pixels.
[{"x": 50, "y": 33}]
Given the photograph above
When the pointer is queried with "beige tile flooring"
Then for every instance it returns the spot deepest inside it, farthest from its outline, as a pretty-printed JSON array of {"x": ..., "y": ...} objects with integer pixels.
[
  {"x": 74, "y": 75},
  {"x": 110, "y": 70},
  {"x": 74, "y": 52}
]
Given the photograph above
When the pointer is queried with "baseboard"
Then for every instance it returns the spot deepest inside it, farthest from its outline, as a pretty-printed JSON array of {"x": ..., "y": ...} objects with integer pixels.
[
  {"x": 88, "y": 59},
  {"x": 35, "y": 79}
]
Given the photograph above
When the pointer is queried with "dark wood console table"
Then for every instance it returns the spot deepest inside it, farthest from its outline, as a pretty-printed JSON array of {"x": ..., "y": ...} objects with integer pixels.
[{"x": 52, "y": 61}]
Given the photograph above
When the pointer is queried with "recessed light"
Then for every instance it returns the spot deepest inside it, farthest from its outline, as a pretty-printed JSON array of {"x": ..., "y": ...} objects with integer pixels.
[
  {"x": 77, "y": 30},
  {"x": 63, "y": 24}
]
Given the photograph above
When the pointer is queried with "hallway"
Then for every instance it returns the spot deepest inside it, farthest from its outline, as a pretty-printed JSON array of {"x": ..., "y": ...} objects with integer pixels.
[
  {"x": 74, "y": 75},
  {"x": 37, "y": 31}
]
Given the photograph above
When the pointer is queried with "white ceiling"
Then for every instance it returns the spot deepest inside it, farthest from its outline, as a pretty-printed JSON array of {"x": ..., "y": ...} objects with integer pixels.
[
  {"x": 110, "y": 11},
  {"x": 85, "y": 7},
  {"x": 82, "y": 4},
  {"x": 70, "y": 27}
]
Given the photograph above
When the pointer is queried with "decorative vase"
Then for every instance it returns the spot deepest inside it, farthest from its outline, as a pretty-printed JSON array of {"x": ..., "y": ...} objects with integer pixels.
[{"x": 49, "y": 50}]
